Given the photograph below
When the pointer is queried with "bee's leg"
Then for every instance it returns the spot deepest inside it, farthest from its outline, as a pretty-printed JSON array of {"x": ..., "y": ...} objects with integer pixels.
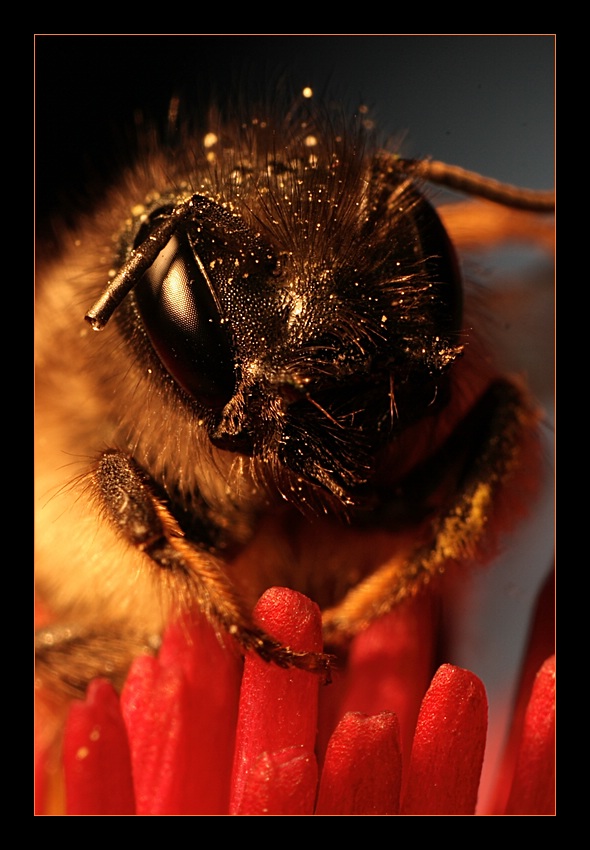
[
  {"x": 194, "y": 578},
  {"x": 501, "y": 432},
  {"x": 68, "y": 657}
]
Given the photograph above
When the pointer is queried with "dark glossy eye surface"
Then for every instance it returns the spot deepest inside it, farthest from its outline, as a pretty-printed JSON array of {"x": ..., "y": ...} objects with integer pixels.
[{"x": 184, "y": 323}]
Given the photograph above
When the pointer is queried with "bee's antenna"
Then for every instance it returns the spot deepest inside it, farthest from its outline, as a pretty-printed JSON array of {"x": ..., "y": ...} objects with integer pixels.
[
  {"x": 471, "y": 183},
  {"x": 137, "y": 264}
]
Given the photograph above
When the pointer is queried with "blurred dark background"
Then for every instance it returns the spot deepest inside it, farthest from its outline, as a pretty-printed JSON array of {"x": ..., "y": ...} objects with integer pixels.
[{"x": 485, "y": 102}]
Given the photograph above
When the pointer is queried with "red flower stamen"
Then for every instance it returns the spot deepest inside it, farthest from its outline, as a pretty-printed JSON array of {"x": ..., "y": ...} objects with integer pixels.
[
  {"x": 278, "y": 708},
  {"x": 534, "y": 778},
  {"x": 180, "y": 710},
  {"x": 363, "y": 767},
  {"x": 96, "y": 753},
  {"x": 449, "y": 743},
  {"x": 187, "y": 740}
]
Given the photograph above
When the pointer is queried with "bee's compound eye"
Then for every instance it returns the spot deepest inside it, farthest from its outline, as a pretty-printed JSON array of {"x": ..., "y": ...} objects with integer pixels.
[{"x": 184, "y": 324}]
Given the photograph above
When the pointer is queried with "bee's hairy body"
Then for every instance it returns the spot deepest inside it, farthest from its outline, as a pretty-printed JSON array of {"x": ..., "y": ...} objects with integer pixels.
[{"x": 347, "y": 436}]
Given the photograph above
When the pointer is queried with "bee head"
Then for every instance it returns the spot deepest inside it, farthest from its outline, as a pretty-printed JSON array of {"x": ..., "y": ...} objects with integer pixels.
[{"x": 304, "y": 329}]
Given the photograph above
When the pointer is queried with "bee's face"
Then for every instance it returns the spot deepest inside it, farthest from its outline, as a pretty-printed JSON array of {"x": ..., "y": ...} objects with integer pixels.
[
  {"x": 301, "y": 327},
  {"x": 287, "y": 347}
]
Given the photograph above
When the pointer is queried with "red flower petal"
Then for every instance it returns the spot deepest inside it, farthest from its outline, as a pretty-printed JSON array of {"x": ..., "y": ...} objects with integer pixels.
[
  {"x": 281, "y": 783},
  {"x": 541, "y": 645},
  {"x": 449, "y": 744},
  {"x": 362, "y": 770},
  {"x": 96, "y": 756},
  {"x": 389, "y": 668},
  {"x": 41, "y": 780},
  {"x": 533, "y": 788},
  {"x": 278, "y": 708},
  {"x": 180, "y": 711}
]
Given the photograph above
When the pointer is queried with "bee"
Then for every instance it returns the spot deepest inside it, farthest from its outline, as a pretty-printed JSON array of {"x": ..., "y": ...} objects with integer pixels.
[{"x": 286, "y": 388}]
